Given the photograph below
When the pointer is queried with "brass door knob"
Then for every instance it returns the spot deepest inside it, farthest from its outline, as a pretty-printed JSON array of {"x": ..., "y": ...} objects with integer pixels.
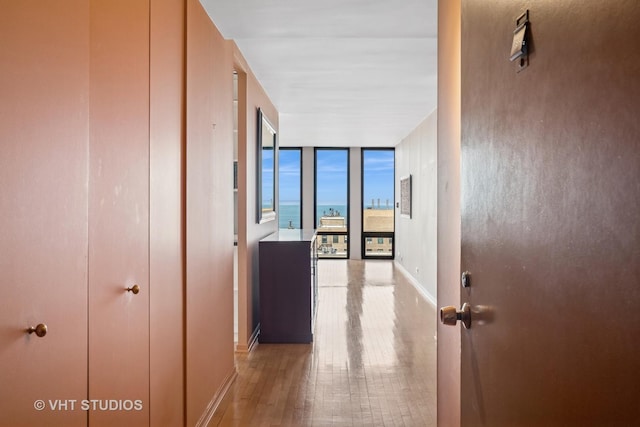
[
  {"x": 40, "y": 330},
  {"x": 450, "y": 316},
  {"x": 135, "y": 289}
]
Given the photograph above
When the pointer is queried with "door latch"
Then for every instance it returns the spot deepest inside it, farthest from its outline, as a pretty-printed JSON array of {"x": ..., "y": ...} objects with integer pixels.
[{"x": 520, "y": 47}]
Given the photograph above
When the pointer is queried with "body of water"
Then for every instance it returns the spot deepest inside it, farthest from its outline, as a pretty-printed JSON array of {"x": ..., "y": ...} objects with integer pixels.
[{"x": 290, "y": 212}]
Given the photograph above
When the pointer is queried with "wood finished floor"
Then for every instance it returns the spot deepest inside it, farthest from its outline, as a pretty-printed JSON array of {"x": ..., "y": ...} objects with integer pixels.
[{"x": 372, "y": 363}]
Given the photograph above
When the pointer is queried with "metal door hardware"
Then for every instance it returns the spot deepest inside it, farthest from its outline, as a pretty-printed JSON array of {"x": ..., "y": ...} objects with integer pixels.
[
  {"x": 40, "y": 330},
  {"x": 520, "y": 47},
  {"x": 465, "y": 279},
  {"x": 450, "y": 316}
]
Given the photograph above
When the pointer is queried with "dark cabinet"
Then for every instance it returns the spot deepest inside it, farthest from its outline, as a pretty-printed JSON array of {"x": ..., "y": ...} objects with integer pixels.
[{"x": 288, "y": 286}]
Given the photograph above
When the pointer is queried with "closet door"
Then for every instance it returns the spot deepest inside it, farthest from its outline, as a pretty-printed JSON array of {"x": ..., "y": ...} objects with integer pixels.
[
  {"x": 119, "y": 214},
  {"x": 43, "y": 212}
]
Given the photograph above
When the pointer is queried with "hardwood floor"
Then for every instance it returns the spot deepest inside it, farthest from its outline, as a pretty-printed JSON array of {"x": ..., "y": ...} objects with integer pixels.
[{"x": 372, "y": 363}]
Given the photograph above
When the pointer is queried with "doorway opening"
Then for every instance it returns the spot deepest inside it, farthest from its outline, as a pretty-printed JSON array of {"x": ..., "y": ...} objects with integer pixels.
[{"x": 235, "y": 208}]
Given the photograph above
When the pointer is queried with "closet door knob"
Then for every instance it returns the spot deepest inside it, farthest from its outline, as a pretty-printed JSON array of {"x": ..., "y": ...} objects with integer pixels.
[
  {"x": 40, "y": 330},
  {"x": 135, "y": 289}
]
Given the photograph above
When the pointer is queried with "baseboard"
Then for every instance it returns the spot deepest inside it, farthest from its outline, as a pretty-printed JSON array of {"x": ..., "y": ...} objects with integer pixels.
[
  {"x": 426, "y": 295},
  {"x": 253, "y": 339},
  {"x": 207, "y": 415}
]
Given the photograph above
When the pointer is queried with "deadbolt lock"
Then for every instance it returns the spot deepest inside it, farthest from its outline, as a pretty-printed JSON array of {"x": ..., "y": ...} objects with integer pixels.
[{"x": 465, "y": 279}]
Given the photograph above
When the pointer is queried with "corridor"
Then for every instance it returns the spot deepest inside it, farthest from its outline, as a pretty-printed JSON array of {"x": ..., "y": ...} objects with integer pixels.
[{"x": 372, "y": 363}]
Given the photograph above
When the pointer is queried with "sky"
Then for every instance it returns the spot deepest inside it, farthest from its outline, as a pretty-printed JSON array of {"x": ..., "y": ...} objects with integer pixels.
[
  {"x": 378, "y": 167},
  {"x": 332, "y": 172},
  {"x": 267, "y": 177},
  {"x": 289, "y": 175}
]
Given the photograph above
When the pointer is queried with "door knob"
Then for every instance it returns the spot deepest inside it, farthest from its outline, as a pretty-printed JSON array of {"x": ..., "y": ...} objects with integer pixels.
[
  {"x": 135, "y": 289},
  {"x": 450, "y": 316},
  {"x": 40, "y": 330}
]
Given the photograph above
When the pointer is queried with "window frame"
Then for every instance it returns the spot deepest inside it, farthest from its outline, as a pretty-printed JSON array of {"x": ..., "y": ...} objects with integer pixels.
[
  {"x": 367, "y": 253},
  {"x": 348, "y": 204}
]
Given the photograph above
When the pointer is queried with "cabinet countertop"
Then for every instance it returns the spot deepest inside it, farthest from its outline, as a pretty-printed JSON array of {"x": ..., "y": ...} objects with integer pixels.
[{"x": 287, "y": 235}]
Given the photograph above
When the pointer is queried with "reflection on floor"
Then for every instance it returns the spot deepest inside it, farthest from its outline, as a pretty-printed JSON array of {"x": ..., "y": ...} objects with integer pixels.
[{"x": 373, "y": 361}]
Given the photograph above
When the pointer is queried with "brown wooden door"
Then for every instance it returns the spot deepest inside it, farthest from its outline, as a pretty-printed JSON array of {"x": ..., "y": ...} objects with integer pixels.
[
  {"x": 43, "y": 205},
  {"x": 550, "y": 215},
  {"x": 119, "y": 214}
]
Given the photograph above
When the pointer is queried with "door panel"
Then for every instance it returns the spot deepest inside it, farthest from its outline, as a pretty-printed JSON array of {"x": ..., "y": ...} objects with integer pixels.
[
  {"x": 118, "y": 213},
  {"x": 43, "y": 205},
  {"x": 550, "y": 198}
]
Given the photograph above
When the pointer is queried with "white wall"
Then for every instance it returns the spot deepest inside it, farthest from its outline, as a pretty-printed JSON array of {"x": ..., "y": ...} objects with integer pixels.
[{"x": 416, "y": 237}]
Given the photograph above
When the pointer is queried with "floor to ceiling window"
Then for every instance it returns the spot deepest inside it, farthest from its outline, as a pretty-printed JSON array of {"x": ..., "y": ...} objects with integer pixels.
[
  {"x": 331, "y": 213},
  {"x": 290, "y": 187},
  {"x": 378, "y": 171}
]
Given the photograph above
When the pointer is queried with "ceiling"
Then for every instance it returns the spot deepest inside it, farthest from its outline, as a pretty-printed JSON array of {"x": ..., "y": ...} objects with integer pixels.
[{"x": 341, "y": 73}]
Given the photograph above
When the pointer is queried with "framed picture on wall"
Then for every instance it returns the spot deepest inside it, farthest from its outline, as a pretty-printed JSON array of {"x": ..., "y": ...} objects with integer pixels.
[{"x": 405, "y": 196}]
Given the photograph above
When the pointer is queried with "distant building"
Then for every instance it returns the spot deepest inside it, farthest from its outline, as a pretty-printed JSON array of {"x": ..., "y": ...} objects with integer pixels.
[
  {"x": 332, "y": 244},
  {"x": 332, "y": 223},
  {"x": 378, "y": 220},
  {"x": 335, "y": 245}
]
